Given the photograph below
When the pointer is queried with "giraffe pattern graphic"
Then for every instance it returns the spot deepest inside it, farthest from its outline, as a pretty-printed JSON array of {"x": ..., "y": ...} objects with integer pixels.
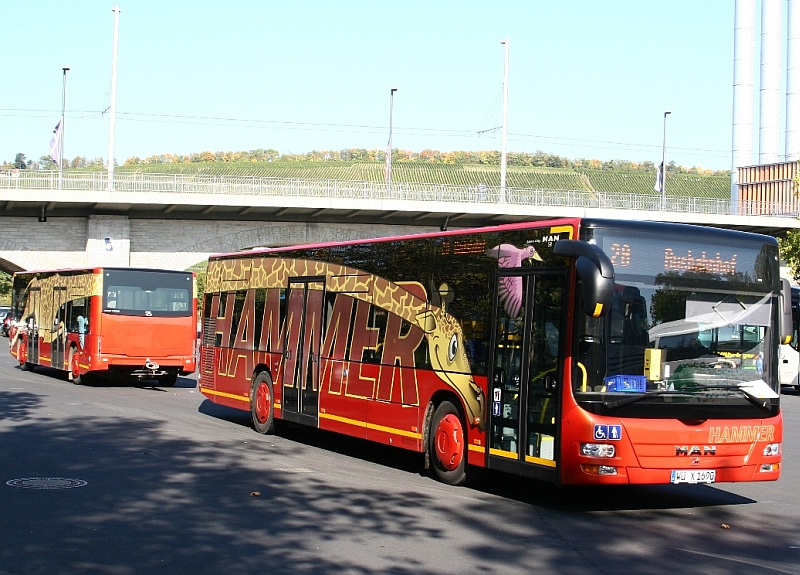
[{"x": 443, "y": 332}]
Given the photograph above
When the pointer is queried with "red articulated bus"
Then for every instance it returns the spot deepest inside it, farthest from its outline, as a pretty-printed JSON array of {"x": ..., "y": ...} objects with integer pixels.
[
  {"x": 123, "y": 323},
  {"x": 576, "y": 351}
]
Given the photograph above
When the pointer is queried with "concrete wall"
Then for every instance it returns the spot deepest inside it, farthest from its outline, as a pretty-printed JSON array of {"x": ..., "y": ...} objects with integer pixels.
[{"x": 27, "y": 244}]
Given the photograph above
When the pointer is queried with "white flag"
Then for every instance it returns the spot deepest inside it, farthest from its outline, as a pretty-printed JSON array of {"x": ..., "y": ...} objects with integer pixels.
[
  {"x": 659, "y": 187},
  {"x": 55, "y": 144}
]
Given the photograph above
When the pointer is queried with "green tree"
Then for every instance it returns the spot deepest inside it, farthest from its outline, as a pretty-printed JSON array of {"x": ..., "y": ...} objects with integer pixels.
[
  {"x": 47, "y": 163},
  {"x": 790, "y": 251},
  {"x": 20, "y": 161},
  {"x": 5, "y": 288}
]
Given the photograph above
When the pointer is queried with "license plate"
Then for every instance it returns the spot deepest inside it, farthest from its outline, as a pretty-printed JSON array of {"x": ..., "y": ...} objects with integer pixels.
[{"x": 693, "y": 476}]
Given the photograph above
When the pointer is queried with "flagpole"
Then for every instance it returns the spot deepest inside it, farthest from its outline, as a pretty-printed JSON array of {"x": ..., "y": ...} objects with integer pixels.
[
  {"x": 389, "y": 151},
  {"x": 664, "y": 163},
  {"x": 61, "y": 143},
  {"x": 113, "y": 107}
]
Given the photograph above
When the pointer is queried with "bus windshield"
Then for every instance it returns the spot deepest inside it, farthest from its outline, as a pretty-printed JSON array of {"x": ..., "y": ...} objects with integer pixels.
[
  {"x": 690, "y": 323},
  {"x": 147, "y": 293}
]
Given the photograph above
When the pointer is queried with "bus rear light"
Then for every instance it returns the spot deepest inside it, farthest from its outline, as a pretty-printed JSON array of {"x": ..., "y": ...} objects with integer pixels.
[
  {"x": 772, "y": 449},
  {"x": 597, "y": 450},
  {"x": 769, "y": 467},
  {"x": 599, "y": 469}
]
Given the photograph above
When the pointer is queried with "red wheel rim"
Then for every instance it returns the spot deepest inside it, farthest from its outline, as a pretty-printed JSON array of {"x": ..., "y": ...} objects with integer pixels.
[
  {"x": 262, "y": 402},
  {"x": 449, "y": 442},
  {"x": 22, "y": 353},
  {"x": 76, "y": 369}
]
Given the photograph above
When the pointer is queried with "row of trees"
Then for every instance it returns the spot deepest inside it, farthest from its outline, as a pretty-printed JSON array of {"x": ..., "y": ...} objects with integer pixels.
[
  {"x": 484, "y": 157},
  {"x": 46, "y": 163}
]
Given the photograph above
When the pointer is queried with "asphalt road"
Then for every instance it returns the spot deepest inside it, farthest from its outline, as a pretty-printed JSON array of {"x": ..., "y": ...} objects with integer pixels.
[{"x": 170, "y": 483}]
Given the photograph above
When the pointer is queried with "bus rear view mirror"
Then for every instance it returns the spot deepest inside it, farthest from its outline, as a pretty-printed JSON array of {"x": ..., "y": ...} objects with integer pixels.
[
  {"x": 596, "y": 272},
  {"x": 786, "y": 311}
]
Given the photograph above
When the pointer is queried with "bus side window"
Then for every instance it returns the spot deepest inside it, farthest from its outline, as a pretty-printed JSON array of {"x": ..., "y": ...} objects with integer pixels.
[{"x": 75, "y": 308}]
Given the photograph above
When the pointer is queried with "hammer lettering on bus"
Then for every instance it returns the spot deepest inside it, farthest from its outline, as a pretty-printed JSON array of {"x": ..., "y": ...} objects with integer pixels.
[{"x": 406, "y": 303}]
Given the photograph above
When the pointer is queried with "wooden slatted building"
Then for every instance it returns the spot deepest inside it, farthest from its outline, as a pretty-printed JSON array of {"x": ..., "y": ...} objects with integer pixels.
[{"x": 768, "y": 189}]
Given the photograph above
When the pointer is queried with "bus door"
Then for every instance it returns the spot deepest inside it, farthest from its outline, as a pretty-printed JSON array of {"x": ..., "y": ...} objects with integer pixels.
[
  {"x": 301, "y": 365},
  {"x": 528, "y": 342},
  {"x": 32, "y": 323},
  {"x": 59, "y": 328}
]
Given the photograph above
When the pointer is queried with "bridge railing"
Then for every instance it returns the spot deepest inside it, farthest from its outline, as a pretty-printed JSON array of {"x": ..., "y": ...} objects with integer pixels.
[{"x": 294, "y": 187}]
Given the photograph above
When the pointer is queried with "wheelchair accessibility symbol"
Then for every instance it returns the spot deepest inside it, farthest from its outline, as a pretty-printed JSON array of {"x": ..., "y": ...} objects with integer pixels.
[{"x": 608, "y": 432}]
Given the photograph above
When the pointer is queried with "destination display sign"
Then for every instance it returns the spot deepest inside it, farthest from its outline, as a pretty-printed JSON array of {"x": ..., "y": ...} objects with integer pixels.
[{"x": 648, "y": 255}]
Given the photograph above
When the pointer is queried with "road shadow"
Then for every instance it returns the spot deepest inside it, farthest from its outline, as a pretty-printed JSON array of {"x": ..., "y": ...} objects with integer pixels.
[
  {"x": 522, "y": 489},
  {"x": 602, "y": 498},
  {"x": 158, "y": 503},
  {"x": 18, "y": 405},
  {"x": 101, "y": 380},
  {"x": 237, "y": 416}
]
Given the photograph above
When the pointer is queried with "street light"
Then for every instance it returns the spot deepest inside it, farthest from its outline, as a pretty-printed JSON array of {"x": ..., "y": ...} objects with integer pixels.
[
  {"x": 63, "y": 108},
  {"x": 503, "y": 153},
  {"x": 389, "y": 147},
  {"x": 664, "y": 163}
]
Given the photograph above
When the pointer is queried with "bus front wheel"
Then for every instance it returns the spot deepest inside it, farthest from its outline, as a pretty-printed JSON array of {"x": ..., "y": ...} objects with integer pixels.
[
  {"x": 447, "y": 444},
  {"x": 261, "y": 400}
]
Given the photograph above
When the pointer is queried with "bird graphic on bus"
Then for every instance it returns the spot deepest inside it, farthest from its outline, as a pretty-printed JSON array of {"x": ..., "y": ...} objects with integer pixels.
[{"x": 510, "y": 287}]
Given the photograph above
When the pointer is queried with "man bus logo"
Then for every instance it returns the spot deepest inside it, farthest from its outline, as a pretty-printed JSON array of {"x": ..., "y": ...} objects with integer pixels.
[{"x": 695, "y": 450}]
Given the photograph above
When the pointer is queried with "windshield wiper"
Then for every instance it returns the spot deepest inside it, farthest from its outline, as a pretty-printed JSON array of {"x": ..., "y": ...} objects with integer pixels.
[
  {"x": 757, "y": 401},
  {"x": 613, "y": 404}
]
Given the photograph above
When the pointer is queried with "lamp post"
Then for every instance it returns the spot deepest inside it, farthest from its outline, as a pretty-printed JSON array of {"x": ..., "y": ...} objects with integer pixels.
[
  {"x": 389, "y": 147},
  {"x": 664, "y": 163},
  {"x": 503, "y": 153},
  {"x": 64, "y": 69}
]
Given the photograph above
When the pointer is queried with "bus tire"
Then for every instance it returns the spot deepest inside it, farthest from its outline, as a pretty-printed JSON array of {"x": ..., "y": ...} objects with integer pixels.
[
  {"x": 22, "y": 357},
  {"x": 447, "y": 445},
  {"x": 74, "y": 374},
  {"x": 261, "y": 404}
]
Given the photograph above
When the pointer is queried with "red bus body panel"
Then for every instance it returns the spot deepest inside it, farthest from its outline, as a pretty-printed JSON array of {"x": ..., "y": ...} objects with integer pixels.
[
  {"x": 132, "y": 340},
  {"x": 649, "y": 449}
]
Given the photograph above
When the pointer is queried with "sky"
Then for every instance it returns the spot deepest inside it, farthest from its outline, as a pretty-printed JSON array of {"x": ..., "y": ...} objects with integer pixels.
[{"x": 587, "y": 79}]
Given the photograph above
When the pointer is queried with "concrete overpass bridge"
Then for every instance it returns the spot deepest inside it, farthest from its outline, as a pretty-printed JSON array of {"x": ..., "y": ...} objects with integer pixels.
[{"x": 175, "y": 221}]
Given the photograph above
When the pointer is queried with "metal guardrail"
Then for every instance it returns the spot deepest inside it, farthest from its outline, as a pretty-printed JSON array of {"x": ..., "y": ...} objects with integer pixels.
[{"x": 294, "y": 187}]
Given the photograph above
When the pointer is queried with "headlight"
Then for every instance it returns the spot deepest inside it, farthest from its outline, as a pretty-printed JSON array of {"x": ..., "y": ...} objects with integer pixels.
[
  {"x": 597, "y": 450},
  {"x": 772, "y": 449},
  {"x": 599, "y": 469}
]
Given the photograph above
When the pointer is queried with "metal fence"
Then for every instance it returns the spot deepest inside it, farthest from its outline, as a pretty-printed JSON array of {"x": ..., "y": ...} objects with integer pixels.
[{"x": 338, "y": 189}]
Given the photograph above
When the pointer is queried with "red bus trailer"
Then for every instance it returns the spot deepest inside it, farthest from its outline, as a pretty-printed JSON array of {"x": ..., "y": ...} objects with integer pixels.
[
  {"x": 576, "y": 351},
  {"x": 114, "y": 322}
]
